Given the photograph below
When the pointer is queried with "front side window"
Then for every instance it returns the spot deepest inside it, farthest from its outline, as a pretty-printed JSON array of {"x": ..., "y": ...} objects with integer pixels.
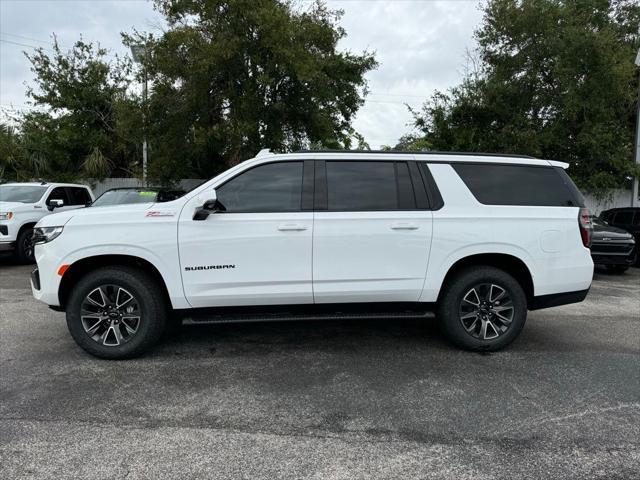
[
  {"x": 274, "y": 187},
  {"x": 368, "y": 186},
  {"x": 494, "y": 184},
  {"x": 21, "y": 193},
  {"x": 78, "y": 196},
  {"x": 58, "y": 193}
]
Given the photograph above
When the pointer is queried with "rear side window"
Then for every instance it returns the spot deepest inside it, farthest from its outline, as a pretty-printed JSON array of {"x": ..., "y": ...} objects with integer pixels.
[
  {"x": 369, "y": 186},
  {"x": 273, "y": 187},
  {"x": 494, "y": 184}
]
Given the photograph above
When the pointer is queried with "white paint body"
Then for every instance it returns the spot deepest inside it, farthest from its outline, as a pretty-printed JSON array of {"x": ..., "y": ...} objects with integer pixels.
[
  {"x": 24, "y": 214},
  {"x": 322, "y": 257}
]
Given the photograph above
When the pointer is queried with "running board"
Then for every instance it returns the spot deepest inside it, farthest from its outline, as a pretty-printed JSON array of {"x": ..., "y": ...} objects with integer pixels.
[{"x": 270, "y": 314}]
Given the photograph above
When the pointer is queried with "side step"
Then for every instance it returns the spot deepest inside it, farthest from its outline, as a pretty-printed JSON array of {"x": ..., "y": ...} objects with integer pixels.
[{"x": 301, "y": 313}]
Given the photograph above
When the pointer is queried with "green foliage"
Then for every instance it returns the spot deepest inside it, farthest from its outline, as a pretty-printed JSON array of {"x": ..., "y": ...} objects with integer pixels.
[
  {"x": 556, "y": 80},
  {"x": 75, "y": 128},
  {"x": 232, "y": 77}
]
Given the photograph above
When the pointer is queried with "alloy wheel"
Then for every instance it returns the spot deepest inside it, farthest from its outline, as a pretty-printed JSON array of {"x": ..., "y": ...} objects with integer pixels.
[
  {"x": 486, "y": 311},
  {"x": 27, "y": 247},
  {"x": 110, "y": 315}
]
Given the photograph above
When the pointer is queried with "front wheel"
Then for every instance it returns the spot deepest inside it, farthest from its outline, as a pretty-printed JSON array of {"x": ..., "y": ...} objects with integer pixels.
[
  {"x": 482, "y": 309},
  {"x": 116, "y": 312},
  {"x": 24, "y": 246}
]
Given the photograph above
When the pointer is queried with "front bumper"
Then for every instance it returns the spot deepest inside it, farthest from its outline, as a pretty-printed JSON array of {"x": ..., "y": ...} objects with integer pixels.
[
  {"x": 613, "y": 259},
  {"x": 45, "y": 280}
]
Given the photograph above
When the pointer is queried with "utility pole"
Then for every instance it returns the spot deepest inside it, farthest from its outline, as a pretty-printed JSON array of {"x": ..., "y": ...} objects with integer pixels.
[
  {"x": 139, "y": 53},
  {"x": 635, "y": 201}
]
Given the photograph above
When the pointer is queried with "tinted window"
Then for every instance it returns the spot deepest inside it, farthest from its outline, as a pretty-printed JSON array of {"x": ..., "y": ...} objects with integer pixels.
[
  {"x": 636, "y": 219},
  {"x": 361, "y": 186},
  {"x": 78, "y": 196},
  {"x": 493, "y": 184},
  {"x": 623, "y": 218},
  {"x": 58, "y": 193},
  {"x": 275, "y": 187}
]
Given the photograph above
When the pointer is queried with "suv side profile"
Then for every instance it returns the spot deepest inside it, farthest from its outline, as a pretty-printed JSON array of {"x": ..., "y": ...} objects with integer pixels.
[
  {"x": 480, "y": 239},
  {"x": 22, "y": 205}
]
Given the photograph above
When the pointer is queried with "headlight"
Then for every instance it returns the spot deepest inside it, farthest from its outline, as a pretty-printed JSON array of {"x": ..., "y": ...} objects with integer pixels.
[
  {"x": 6, "y": 215},
  {"x": 45, "y": 234}
]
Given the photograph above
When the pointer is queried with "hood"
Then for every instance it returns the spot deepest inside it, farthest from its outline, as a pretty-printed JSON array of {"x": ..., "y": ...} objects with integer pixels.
[
  {"x": 608, "y": 231},
  {"x": 15, "y": 206},
  {"x": 61, "y": 218}
]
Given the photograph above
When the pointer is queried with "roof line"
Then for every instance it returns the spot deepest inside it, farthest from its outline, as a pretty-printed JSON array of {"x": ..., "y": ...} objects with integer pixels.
[{"x": 425, "y": 152}]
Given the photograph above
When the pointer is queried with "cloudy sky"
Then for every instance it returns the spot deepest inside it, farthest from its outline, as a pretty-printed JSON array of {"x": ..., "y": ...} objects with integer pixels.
[{"x": 421, "y": 46}]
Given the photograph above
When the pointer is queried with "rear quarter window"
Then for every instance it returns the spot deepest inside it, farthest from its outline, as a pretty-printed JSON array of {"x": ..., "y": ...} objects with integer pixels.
[{"x": 524, "y": 185}]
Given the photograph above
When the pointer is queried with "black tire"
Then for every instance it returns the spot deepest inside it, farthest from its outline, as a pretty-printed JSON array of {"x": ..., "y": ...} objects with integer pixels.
[
  {"x": 617, "y": 269},
  {"x": 148, "y": 300},
  {"x": 452, "y": 302},
  {"x": 24, "y": 246}
]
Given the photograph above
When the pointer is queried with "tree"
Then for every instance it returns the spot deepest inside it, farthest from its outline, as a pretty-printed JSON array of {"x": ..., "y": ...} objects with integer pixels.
[
  {"x": 230, "y": 77},
  {"x": 556, "y": 80},
  {"x": 75, "y": 133}
]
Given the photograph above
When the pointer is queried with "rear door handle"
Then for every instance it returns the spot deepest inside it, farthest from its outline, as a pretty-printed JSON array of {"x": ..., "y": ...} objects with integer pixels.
[
  {"x": 291, "y": 227},
  {"x": 404, "y": 226}
]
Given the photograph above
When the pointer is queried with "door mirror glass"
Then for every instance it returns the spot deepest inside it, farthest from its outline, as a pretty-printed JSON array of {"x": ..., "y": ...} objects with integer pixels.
[{"x": 54, "y": 203}]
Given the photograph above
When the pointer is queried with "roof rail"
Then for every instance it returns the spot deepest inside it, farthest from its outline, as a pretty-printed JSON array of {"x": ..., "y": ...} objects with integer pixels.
[
  {"x": 421, "y": 152},
  {"x": 265, "y": 152}
]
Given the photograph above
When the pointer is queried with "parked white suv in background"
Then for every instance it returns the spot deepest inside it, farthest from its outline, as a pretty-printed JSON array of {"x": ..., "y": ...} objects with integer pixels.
[
  {"x": 481, "y": 239},
  {"x": 22, "y": 205}
]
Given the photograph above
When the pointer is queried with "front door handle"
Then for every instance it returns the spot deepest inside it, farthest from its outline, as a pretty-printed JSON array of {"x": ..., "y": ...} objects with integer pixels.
[
  {"x": 404, "y": 226},
  {"x": 291, "y": 227}
]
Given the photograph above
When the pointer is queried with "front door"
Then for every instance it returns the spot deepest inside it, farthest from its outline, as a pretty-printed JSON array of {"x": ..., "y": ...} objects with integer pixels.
[
  {"x": 371, "y": 238},
  {"x": 256, "y": 252}
]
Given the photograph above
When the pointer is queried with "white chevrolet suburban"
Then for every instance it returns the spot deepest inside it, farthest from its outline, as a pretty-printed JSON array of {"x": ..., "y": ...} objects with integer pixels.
[
  {"x": 22, "y": 205},
  {"x": 480, "y": 239}
]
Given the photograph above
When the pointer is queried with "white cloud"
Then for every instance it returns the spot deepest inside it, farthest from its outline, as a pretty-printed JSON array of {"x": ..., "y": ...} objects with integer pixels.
[{"x": 420, "y": 46}]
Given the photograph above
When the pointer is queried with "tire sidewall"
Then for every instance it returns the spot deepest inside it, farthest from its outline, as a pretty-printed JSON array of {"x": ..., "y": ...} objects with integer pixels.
[
  {"x": 152, "y": 321},
  {"x": 20, "y": 252},
  {"x": 449, "y": 317}
]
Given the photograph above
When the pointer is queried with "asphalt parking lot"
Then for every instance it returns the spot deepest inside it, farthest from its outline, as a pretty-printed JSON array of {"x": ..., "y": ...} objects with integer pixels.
[{"x": 359, "y": 399}]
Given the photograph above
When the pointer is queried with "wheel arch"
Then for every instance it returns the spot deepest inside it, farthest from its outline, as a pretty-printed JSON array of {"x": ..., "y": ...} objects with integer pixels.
[
  {"x": 25, "y": 226},
  {"x": 511, "y": 264},
  {"x": 80, "y": 268}
]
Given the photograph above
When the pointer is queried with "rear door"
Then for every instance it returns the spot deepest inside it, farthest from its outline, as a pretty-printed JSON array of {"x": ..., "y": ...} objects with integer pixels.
[{"x": 372, "y": 233}]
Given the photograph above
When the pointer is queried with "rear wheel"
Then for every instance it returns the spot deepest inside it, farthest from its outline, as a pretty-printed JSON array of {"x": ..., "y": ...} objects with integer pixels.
[
  {"x": 24, "y": 246},
  {"x": 116, "y": 312},
  {"x": 482, "y": 308}
]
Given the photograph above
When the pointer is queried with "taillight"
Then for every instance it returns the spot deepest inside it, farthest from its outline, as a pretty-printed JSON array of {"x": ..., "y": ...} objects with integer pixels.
[{"x": 586, "y": 227}]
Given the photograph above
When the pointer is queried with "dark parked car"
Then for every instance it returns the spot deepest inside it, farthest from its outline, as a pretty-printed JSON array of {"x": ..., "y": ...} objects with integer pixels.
[
  {"x": 627, "y": 218},
  {"x": 121, "y": 196},
  {"x": 612, "y": 247}
]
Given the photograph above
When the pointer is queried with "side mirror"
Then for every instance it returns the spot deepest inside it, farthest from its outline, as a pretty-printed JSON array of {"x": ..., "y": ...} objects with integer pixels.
[
  {"x": 55, "y": 203},
  {"x": 210, "y": 206}
]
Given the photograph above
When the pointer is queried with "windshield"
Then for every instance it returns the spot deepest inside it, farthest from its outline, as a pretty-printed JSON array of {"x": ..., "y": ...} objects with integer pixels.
[
  {"x": 21, "y": 193},
  {"x": 121, "y": 197}
]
